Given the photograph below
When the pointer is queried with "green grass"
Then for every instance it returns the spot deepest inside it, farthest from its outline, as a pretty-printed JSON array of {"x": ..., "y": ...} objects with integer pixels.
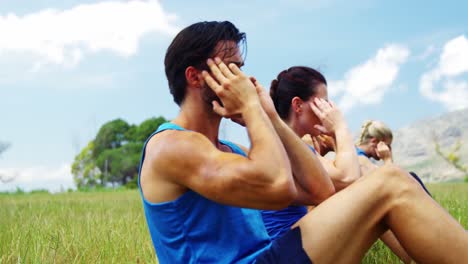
[
  {"x": 100, "y": 227},
  {"x": 109, "y": 227}
]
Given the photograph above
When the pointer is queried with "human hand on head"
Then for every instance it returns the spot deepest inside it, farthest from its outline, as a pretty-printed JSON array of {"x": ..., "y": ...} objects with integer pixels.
[
  {"x": 235, "y": 90},
  {"x": 384, "y": 152},
  {"x": 329, "y": 115},
  {"x": 265, "y": 101}
]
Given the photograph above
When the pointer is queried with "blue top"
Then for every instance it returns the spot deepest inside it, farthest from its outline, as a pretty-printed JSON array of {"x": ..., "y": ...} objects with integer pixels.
[
  {"x": 194, "y": 229},
  {"x": 360, "y": 152},
  {"x": 278, "y": 222}
]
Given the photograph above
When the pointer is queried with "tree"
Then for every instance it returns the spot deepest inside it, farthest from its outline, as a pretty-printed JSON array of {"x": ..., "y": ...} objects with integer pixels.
[
  {"x": 113, "y": 157},
  {"x": 120, "y": 164},
  {"x": 146, "y": 128},
  {"x": 111, "y": 135},
  {"x": 453, "y": 157},
  {"x": 84, "y": 169}
]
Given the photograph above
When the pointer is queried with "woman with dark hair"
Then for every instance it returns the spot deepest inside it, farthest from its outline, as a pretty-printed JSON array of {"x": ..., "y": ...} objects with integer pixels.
[{"x": 295, "y": 93}]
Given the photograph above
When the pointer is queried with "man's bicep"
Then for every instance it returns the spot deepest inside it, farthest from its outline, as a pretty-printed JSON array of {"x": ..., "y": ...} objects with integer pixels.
[
  {"x": 193, "y": 162},
  {"x": 222, "y": 177},
  {"x": 232, "y": 179}
]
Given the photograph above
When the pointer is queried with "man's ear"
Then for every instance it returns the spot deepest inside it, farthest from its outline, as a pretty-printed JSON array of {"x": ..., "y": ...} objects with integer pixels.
[
  {"x": 297, "y": 104},
  {"x": 193, "y": 77},
  {"x": 374, "y": 141}
]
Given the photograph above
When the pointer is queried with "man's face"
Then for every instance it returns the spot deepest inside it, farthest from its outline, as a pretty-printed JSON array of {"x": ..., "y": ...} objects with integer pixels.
[{"x": 228, "y": 52}]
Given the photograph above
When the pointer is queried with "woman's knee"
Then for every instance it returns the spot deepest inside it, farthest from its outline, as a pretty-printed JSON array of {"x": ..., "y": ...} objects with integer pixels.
[{"x": 394, "y": 181}]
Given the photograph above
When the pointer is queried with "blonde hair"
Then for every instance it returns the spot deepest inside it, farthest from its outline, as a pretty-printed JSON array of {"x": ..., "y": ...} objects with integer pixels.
[{"x": 374, "y": 129}]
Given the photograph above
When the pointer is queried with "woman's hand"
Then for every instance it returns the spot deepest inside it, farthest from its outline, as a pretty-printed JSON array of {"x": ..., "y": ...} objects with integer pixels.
[
  {"x": 329, "y": 115},
  {"x": 384, "y": 152}
]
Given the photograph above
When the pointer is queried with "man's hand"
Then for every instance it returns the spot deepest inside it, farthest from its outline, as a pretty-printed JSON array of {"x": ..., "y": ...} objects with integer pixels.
[
  {"x": 235, "y": 90},
  {"x": 265, "y": 101}
]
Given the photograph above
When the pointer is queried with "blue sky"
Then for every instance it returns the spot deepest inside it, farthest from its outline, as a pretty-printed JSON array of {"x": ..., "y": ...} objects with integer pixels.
[{"x": 69, "y": 66}]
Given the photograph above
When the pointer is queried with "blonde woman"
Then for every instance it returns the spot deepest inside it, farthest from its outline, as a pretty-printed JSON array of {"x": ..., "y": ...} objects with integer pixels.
[{"x": 375, "y": 141}]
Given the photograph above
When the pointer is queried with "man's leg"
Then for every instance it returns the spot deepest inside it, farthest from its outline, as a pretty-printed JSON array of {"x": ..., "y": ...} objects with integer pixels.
[{"x": 342, "y": 228}]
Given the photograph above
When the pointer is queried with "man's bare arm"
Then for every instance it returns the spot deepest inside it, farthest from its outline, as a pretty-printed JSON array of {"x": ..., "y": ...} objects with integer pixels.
[
  {"x": 188, "y": 159},
  {"x": 312, "y": 181}
]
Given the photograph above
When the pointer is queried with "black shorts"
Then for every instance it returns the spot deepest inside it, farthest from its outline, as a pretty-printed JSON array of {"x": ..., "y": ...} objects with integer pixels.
[
  {"x": 286, "y": 249},
  {"x": 415, "y": 176}
]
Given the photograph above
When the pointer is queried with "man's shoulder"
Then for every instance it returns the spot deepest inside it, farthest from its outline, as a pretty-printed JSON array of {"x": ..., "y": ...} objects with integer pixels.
[
  {"x": 174, "y": 144},
  {"x": 173, "y": 138}
]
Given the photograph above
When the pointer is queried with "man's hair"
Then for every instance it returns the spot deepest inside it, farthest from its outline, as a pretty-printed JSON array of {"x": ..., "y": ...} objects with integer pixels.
[
  {"x": 192, "y": 47},
  {"x": 297, "y": 81}
]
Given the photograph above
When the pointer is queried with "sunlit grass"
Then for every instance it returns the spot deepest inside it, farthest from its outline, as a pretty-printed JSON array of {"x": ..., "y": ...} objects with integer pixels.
[
  {"x": 109, "y": 227},
  {"x": 101, "y": 227}
]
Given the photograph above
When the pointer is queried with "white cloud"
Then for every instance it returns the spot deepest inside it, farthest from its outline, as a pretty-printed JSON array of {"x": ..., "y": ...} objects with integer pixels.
[
  {"x": 368, "y": 82},
  {"x": 453, "y": 63},
  {"x": 64, "y": 37},
  {"x": 51, "y": 178}
]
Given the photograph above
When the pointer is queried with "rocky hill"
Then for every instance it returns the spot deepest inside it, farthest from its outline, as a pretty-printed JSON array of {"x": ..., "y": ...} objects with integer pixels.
[{"x": 414, "y": 146}]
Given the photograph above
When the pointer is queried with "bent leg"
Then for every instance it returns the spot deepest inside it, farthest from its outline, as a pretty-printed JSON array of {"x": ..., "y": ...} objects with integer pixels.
[
  {"x": 392, "y": 242},
  {"x": 342, "y": 228}
]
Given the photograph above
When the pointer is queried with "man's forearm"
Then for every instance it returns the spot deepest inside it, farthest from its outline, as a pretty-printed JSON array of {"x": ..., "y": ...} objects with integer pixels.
[
  {"x": 266, "y": 147},
  {"x": 307, "y": 170}
]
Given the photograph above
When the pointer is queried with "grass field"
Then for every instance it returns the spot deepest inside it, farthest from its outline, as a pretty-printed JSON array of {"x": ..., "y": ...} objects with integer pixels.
[{"x": 109, "y": 227}]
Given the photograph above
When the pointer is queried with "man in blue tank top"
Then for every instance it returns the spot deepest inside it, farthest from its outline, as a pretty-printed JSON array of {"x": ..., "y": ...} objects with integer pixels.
[{"x": 197, "y": 189}]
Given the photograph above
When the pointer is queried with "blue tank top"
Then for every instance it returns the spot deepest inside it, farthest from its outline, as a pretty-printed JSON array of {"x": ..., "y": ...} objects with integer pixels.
[
  {"x": 278, "y": 222},
  {"x": 360, "y": 152},
  {"x": 193, "y": 229}
]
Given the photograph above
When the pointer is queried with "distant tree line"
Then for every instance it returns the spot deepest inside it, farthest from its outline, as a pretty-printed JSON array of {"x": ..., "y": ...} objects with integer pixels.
[{"x": 113, "y": 157}]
